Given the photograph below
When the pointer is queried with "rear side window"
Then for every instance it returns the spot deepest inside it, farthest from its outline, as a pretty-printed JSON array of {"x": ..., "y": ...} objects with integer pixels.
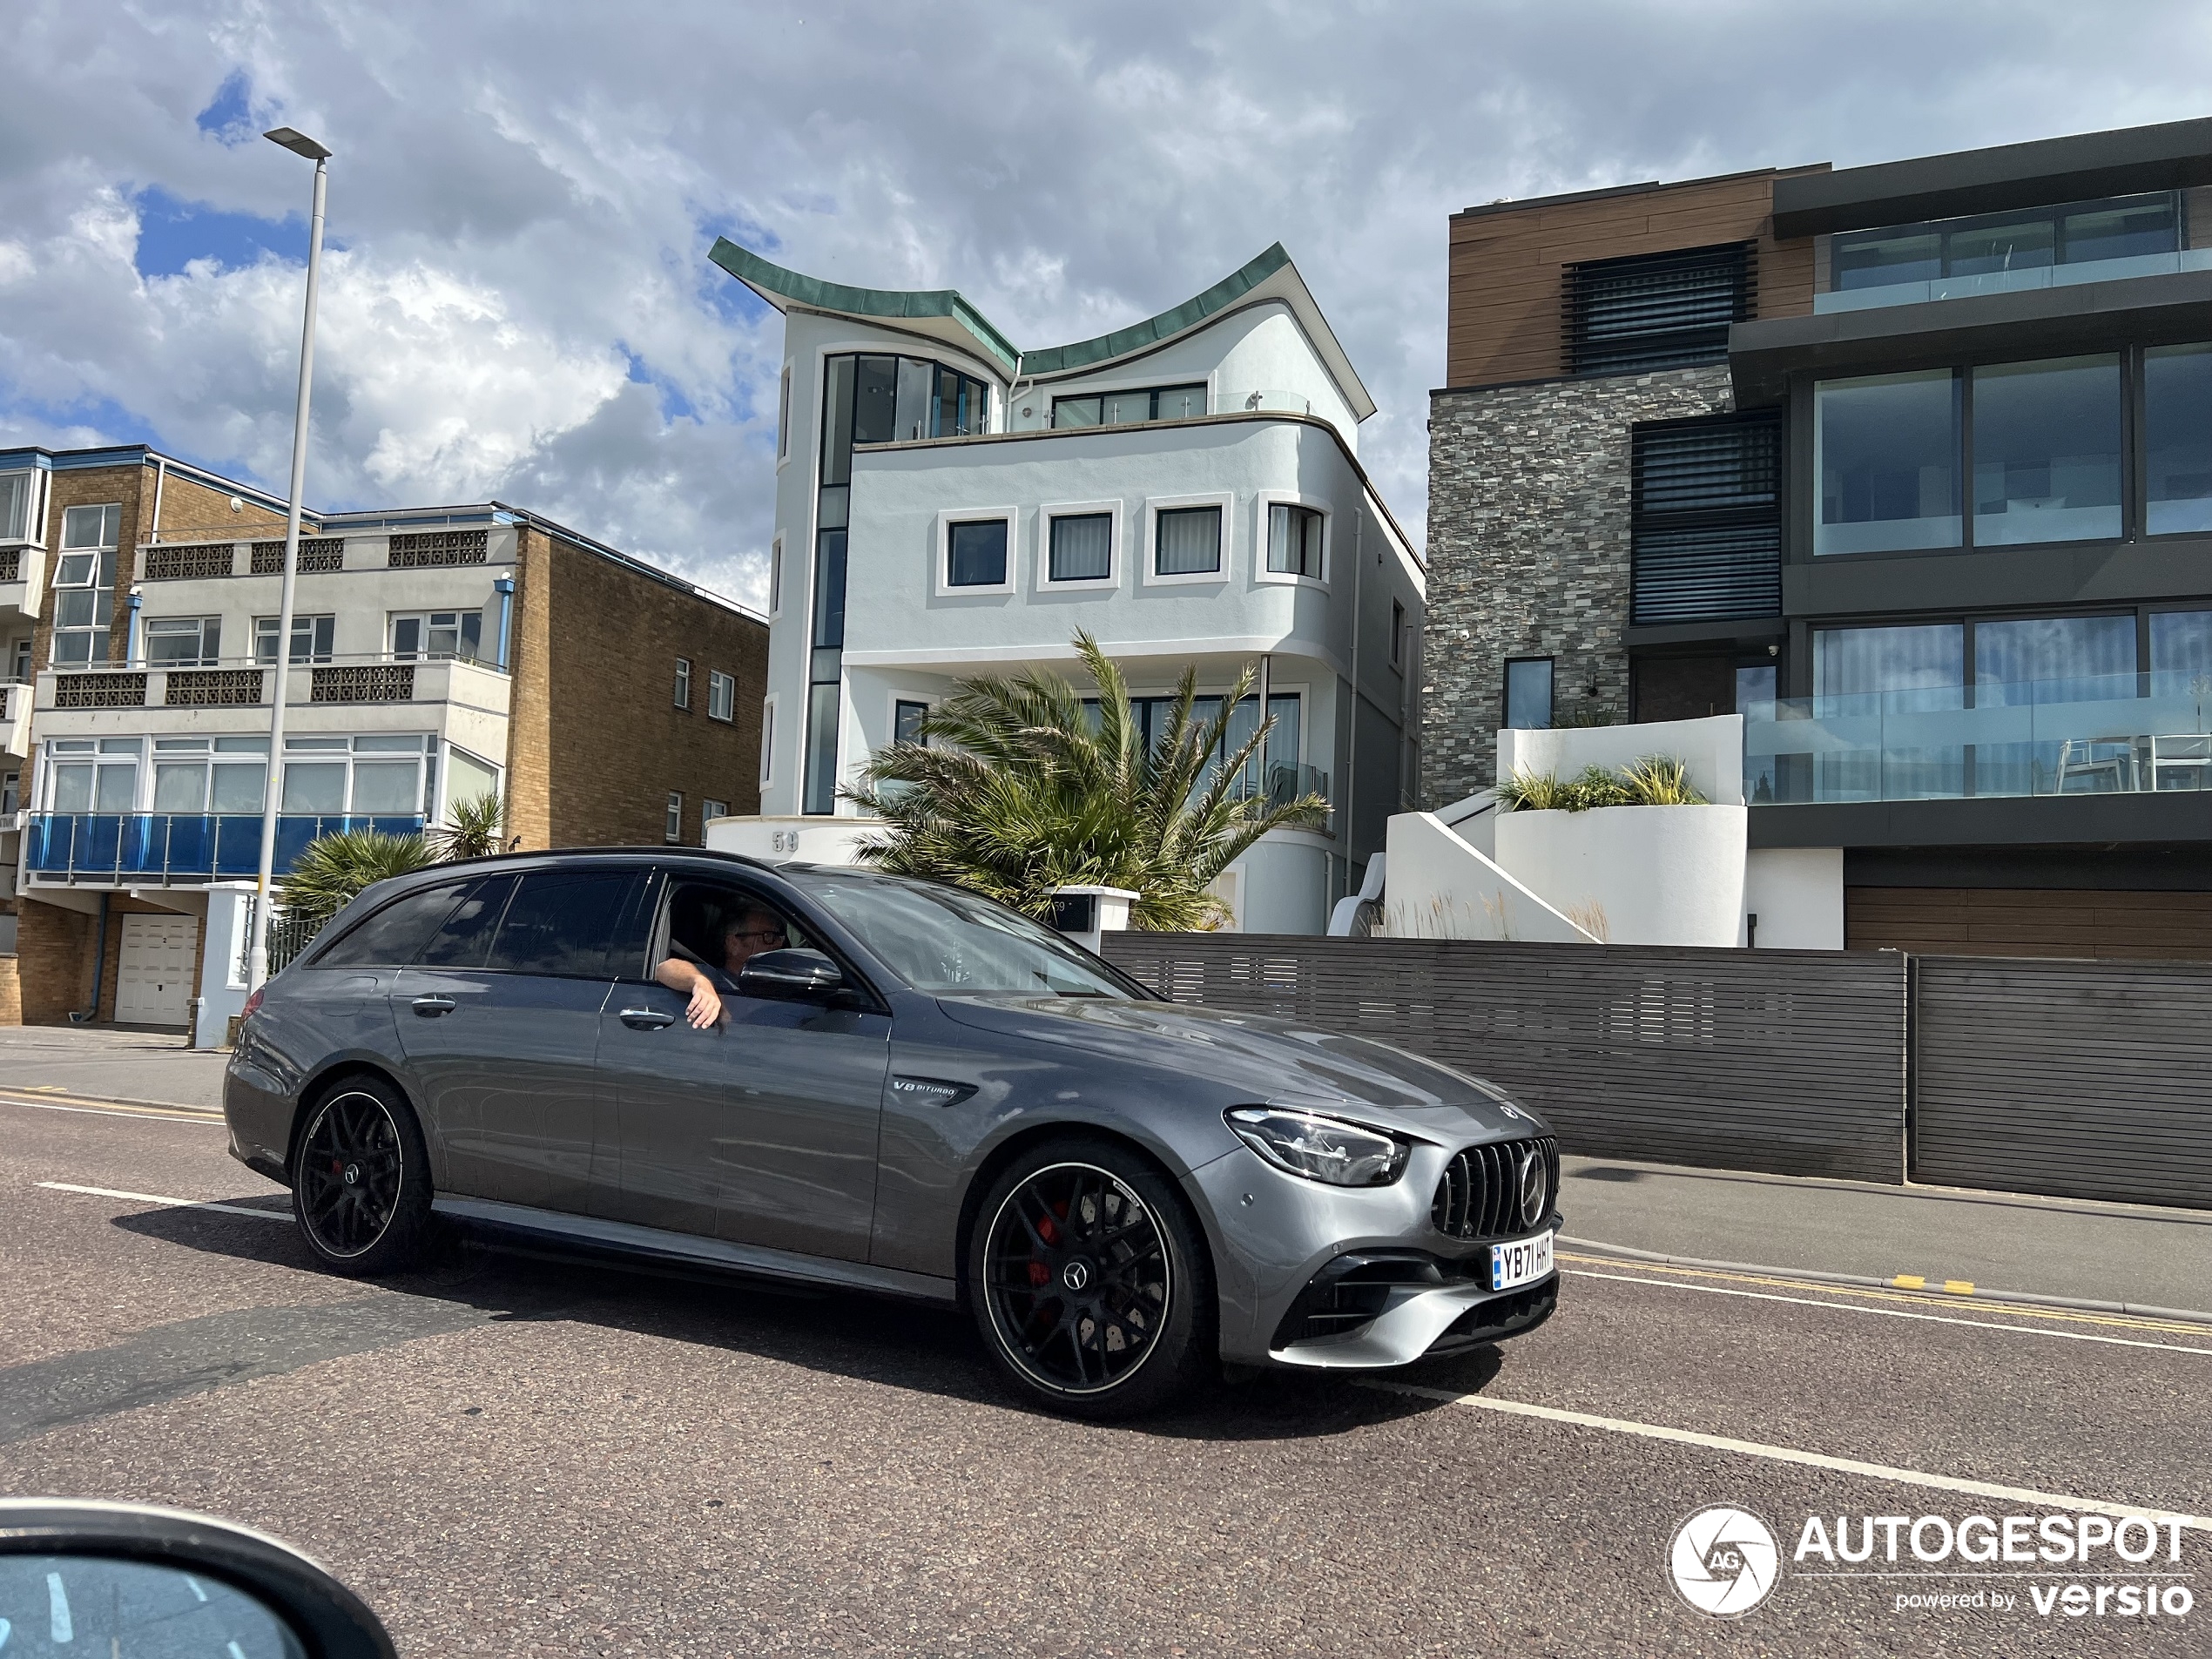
[
  {"x": 564, "y": 923},
  {"x": 466, "y": 938},
  {"x": 391, "y": 937}
]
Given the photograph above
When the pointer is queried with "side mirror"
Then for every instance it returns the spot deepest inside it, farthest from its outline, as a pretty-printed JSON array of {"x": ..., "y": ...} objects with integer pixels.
[
  {"x": 124, "y": 1578},
  {"x": 790, "y": 976}
]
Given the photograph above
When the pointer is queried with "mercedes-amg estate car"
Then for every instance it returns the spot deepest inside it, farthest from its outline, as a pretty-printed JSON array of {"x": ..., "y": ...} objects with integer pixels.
[{"x": 851, "y": 1079}]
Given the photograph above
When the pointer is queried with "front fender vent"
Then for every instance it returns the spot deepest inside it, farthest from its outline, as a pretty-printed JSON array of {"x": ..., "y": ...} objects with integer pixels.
[{"x": 1480, "y": 1193}]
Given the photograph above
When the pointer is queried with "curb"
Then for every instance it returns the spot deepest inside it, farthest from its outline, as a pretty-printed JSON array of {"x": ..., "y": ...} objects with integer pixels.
[{"x": 1978, "y": 1292}]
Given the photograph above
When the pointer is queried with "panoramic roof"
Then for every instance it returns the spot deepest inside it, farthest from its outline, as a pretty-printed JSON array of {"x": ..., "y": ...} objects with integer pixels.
[{"x": 942, "y": 313}]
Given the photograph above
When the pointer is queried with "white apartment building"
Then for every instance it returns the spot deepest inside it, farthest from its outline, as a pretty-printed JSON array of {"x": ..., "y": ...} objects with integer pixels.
[{"x": 1188, "y": 489}]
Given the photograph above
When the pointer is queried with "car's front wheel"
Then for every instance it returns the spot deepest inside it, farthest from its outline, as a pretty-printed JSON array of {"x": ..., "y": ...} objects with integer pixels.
[
  {"x": 361, "y": 1179},
  {"x": 1090, "y": 1280}
]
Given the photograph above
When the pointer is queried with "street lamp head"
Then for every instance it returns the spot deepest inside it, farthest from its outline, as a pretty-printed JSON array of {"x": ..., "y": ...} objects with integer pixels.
[{"x": 297, "y": 142}]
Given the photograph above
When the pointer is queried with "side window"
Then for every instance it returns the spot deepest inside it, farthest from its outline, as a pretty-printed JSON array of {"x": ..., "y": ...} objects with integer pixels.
[
  {"x": 563, "y": 923},
  {"x": 719, "y": 927},
  {"x": 392, "y": 937},
  {"x": 466, "y": 938}
]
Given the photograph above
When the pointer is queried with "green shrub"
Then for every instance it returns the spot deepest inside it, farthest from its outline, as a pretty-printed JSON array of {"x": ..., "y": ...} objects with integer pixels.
[
  {"x": 1660, "y": 780},
  {"x": 1655, "y": 780}
]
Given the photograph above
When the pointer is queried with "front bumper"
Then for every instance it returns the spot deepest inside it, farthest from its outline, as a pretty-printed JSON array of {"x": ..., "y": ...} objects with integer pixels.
[{"x": 1365, "y": 1310}]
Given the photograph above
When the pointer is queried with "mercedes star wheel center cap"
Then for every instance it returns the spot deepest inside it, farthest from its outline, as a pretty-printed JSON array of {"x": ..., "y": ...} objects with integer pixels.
[{"x": 353, "y": 1175}]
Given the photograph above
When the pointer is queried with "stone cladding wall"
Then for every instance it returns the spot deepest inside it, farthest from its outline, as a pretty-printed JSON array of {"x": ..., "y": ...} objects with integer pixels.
[{"x": 1528, "y": 553}]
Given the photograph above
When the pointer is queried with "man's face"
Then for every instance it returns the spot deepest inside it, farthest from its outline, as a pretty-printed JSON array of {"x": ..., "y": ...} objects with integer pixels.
[{"x": 747, "y": 936}]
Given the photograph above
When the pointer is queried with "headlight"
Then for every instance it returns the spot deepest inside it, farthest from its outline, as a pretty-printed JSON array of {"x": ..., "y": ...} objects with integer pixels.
[{"x": 1320, "y": 1148}]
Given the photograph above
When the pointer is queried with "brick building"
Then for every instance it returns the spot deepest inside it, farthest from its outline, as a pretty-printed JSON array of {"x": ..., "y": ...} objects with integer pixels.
[{"x": 436, "y": 655}]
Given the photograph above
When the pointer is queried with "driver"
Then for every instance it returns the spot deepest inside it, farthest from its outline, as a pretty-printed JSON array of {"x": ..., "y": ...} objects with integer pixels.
[{"x": 748, "y": 931}]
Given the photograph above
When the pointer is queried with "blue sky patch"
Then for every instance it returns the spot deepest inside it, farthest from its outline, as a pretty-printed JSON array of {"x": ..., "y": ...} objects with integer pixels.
[
  {"x": 229, "y": 117},
  {"x": 673, "y": 404},
  {"x": 172, "y": 233}
]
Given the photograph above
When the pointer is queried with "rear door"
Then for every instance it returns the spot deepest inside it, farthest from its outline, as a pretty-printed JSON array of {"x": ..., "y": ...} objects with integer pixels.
[{"x": 761, "y": 1130}]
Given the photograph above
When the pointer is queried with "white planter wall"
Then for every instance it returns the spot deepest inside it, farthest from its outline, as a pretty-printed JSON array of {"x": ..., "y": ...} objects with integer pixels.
[
  {"x": 1633, "y": 875},
  {"x": 1711, "y": 749}
]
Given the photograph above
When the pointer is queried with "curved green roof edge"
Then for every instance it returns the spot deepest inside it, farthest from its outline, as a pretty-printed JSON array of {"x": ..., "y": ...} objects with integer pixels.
[
  {"x": 772, "y": 282},
  {"x": 1060, "y": 359}
]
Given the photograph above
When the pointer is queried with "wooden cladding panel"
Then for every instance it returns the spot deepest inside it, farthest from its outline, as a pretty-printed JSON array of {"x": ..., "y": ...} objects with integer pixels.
[
  {"x": 1504, "y": 300},
  {"x": 2025, "y": 921}
]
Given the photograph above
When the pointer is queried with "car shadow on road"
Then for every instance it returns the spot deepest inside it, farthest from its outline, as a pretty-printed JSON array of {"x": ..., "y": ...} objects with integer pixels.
[{"x": 845, "y": 1333}]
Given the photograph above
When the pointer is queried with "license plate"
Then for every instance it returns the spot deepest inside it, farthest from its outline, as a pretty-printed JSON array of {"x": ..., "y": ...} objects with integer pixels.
[{"x": 1523, "y": 1262}]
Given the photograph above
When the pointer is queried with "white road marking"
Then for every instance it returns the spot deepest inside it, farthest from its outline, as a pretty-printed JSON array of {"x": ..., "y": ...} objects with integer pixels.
[
  {"x": 181, "y": 1115},
  {"x": 1809, "y": 1459},
  {"x": 1889, "y": 1313},
  {"x": 174, "y": 1204}
]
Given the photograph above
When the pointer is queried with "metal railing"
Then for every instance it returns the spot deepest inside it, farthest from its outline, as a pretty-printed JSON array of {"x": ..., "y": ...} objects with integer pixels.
[{"x": 163, "y": 849}]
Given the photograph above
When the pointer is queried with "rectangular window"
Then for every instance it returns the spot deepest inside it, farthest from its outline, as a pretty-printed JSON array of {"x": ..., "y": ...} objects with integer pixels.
[
  {"x": 975, "y": 554},
  {"x": 783, "y": 415},
  {"x": 1187, "y": 541},
  {"x": 721, "y": 696},
  {"x": 184, "y": 642},
  {"x": 1082, "y": 548},
  {"x": 824, "y": 704},
  {"x": 1885, "y": 449},
  {"x": 1652, "y": 311},
  {"x": 1998, "y": 246},
  {"x": 377, "y": 775},
  {"x": 768, "y": 739},
  {"x": 19, "y": 658},
  {"x": 776, "y": 576},
  {"x": 2177, "y": 439},
  {"x": 312, "y": 639},
  {"x": 15, "y": 489},
  {"x": 1397, "y": 634},
  {"x": 1529, "y": 694},
  {"x": 1705, "y": 519},
  {"x": 673, "y": 825},
  {"x": 905, "y": 721},
  {"x": 1294, "y": 540},
  {"x": 84, "y": 586},
  {"x": 434, "y": 635},
  {"x": 1184, "y": 402},
  {"x": 829, "y": 591},
  {"x": 561, "y": 923},
  {"x": 683, "y": 682},
  {"x": 2047, "y": 451},
  {"x": 1885, "y": 690},
  {"x": 709, "y": 811}
]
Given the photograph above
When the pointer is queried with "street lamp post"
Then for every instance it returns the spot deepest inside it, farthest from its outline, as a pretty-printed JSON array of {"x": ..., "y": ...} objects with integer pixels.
[{"x": 257, "y": 967}]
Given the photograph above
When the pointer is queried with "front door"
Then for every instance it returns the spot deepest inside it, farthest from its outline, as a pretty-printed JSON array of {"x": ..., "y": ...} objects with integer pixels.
[
  {"x": 761, "y": 1129},
  {"x": 153, "y": 972}
]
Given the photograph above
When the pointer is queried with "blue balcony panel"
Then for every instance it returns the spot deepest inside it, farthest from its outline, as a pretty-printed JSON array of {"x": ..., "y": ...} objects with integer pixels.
[{"x": 168, "y": 849}]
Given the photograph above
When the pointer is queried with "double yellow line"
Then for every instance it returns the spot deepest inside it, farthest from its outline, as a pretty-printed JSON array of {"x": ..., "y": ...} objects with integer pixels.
[{"x": 53, "y": 1098}]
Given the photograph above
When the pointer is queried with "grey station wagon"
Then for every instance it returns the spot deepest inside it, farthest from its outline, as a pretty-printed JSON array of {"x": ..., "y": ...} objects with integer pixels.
[{"x": 849, "y": 1079}]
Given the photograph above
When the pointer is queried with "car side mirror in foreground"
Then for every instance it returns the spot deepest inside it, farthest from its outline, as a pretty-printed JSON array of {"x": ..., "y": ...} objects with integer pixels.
[
  {"x": 790, "y": 976},
  {"x": 123, "y": 1578}
]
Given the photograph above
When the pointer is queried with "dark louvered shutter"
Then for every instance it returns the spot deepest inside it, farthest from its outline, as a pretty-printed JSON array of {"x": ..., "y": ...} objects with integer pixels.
[
  {"x": 1655, "y": 310},
  {"x": 1706, "y": 523}
]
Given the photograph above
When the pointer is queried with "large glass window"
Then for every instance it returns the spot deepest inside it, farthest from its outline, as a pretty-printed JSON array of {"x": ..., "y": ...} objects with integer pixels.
[
  {"x": 184, "y": 642},
  {"x": 312, "y": 639},
  {"x": 209, "y": 775},
  {"x": 1529, "y": 694},
  {"x": 1886, "y": 449},
  {"x": 1082, "y": 548},
  {"x": 1997, "y": 243},
  {"x": 435, "y": 634},
  {"x": 2047, "y": 451},
  {"x": 975, "y": 554},
  {"x": 2177, "y": 439},
  {"x": 1189, "y": 541},
  {"x": 84, "y": 585},
  {"x": 375, "y": 775},
  {"x": 1294, "y": 540},
  {"x": 2048, "y": 664},
  {"x": 1895, "y": 692},
  {"x": 1129, "y": 407},
  {"x": 16, "y": 489},
  {"x": 89, "y": 775}
]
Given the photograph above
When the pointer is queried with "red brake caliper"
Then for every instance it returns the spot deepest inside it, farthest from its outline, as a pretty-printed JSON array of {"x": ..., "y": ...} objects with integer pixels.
[{"x": 1040, "y": 1275}]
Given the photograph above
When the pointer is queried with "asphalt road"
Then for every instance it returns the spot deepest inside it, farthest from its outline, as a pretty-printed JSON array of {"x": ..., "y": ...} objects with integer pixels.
[{"x": 515, "y": 1456}]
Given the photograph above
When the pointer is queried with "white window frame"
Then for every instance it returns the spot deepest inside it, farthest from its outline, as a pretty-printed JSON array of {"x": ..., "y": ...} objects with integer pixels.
[
  {"x": 679, "y": 691},
  {"x": 427, "y": 617},
  {"x": 1155, "y": 505},
  {"x": 1011, "y": 515},
  {"x": 721, "y": 688},
  {"x": 1262, "y": 531},
  {"x": 710, "y": 810},
  {"x": 672, "y": 824},
  {"x": 299, "y": 619},
  {"x": 1114, "y": 558},
  {"x": 200, "y": 658},
  {"x": 37, "y": 480},
  {"x": 768, "y": 738},
  {"x": 776, "y": 575}
]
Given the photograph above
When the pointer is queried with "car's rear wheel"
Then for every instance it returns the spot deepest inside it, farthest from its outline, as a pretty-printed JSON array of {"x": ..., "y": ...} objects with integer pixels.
[
  {"x": 1090, "y": 1281},
  {"x": 361, "y": 1179}
]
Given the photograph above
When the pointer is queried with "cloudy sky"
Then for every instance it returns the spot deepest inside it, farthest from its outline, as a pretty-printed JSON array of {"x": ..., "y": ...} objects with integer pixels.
[{"x": 516, "y": 299}]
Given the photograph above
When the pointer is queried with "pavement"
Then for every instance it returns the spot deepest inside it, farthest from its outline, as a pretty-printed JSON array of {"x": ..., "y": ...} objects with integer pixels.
[
  {"x": 113, "y": 1061},
  {"x": 509, "y": 1455}
]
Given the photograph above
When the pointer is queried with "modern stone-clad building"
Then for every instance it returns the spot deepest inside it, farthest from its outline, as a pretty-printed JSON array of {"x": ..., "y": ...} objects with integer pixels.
[
  {"x": 1910, "y": 466},
  {"x": 436, "y": 655}
]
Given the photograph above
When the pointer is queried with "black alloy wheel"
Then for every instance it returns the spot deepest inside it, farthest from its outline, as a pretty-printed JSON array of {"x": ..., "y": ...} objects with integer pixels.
[
  {"x": 1090, "y": 1282},
  {"x": 360, "y": 1190}
]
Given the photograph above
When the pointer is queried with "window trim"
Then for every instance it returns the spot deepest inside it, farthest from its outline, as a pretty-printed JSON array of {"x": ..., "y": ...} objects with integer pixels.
[
  {"x": 680, "y": 692},
  {"x": 1012, "y": 518},
  {"x": 1266, "y": 502},
  {"x": 1050, "y": 510},
  {"x": 200, "y": 658},
  {"x": 308, "y": 619},
  {"x": 460, "y": 613},
  {"x": 672, "y": 823},
  {"x": 717, "y": 681},
  {"x": 1155, "y": 505},
  {"x": 783, "y": 416}
]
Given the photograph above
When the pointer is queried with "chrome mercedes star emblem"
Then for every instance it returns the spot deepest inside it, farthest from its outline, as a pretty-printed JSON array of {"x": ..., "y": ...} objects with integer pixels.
[
  {"x": 1076, "y": 1275},
  {"x": 1532, "y": 1189}
]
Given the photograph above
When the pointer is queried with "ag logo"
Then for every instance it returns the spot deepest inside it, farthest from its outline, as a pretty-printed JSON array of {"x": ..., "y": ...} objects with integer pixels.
[{"x": 1723, "y": 1561}]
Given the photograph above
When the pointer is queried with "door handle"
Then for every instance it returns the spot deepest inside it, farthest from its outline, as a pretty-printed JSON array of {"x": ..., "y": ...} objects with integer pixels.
[
  {"x": 646, "y": 1018},
  {"x": 430, "y": 1006}
]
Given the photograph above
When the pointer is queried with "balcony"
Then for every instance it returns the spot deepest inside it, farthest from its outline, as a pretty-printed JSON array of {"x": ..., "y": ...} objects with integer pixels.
[
  {"x": 2097, "y": 736},
  {"x": 379, "y": 678},
  {"x": 22, "y": 573},
  {"x": 173, "y": 849},
  {"x": 2019, "y": 281}
]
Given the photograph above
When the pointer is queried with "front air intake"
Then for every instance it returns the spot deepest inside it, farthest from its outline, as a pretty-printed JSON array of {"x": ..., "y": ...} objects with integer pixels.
[{"x": 1485, "y": 1191}]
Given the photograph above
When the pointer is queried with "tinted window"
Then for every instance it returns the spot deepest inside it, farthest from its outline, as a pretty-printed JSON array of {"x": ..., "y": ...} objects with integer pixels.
[
  {"x": 391, "y": 937},
  {"x": 939, "y": 939},
  {"x": 563, "y": 922},
  {"x": 466, "y": 937}
]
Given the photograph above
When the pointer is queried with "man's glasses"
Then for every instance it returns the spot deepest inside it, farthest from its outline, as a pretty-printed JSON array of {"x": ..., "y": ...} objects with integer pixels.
[{"x": 763, "y": 933}]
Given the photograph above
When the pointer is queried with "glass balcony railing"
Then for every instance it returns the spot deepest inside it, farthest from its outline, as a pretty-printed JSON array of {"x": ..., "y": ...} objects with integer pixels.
[
  {"x": 2037, "y": 276},
  {"x": 159, "y": 849},
  {"x": 2095, "y": 735}
]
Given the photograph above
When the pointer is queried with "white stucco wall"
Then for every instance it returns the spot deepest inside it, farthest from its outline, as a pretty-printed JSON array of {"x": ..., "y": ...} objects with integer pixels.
[
  {"x": 1712, "y": 749},
  {"x": 1439, "y": 888},
  {"x": 1633, "y": 875},
  {"x": 1797, "y": 894}
]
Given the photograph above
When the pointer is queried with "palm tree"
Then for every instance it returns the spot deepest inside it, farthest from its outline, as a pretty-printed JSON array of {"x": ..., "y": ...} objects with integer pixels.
[
  {"x": 1018, "y": 786},
  {"x": 477, "y": 830},
  {"x": 332, "y": 868}
]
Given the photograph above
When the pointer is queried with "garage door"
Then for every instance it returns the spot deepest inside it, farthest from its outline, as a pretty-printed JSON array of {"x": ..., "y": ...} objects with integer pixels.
[{"x": 153, "y": 978}]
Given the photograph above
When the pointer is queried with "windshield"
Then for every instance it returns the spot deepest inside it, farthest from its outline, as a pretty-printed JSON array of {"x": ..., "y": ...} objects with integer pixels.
[{"x": 941, "y": 939}]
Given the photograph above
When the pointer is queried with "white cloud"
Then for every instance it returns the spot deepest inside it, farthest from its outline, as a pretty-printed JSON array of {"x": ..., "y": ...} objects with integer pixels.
[{"x": 521, "y": 211}]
